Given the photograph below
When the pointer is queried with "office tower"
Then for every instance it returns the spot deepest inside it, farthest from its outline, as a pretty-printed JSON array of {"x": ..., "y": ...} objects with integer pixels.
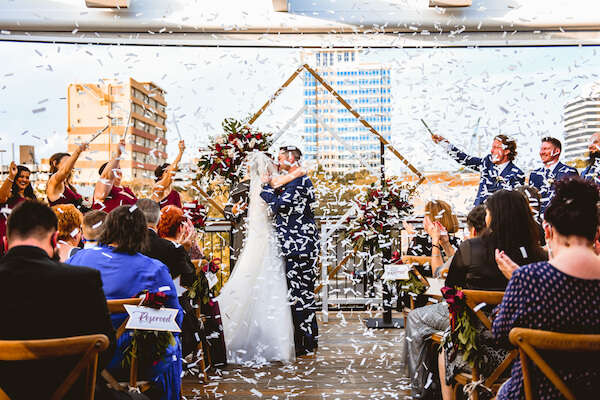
[
  {"x": 95, "y": 106},
  {"x": 366, "y": 87}
]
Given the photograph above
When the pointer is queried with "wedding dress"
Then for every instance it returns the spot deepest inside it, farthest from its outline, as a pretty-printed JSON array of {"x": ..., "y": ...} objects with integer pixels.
[{"x": 256, "y": 314}]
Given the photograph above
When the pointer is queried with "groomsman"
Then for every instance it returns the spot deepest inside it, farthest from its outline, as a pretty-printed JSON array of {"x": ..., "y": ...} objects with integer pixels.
[
  {"x": 292, "y": 206},
  {"x": 544, "y": 177},
  {"x": 592, "y": 172},
  {"x": 497, "y": 168}
]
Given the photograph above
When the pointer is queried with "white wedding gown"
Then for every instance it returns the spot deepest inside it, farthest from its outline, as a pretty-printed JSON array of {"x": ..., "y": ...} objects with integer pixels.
[{"x": 256, "y": 314}]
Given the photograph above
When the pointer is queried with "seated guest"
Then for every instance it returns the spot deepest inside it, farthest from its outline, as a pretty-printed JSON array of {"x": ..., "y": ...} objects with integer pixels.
[
  {"x": 436, "y": 212},
  {"x": 125, "y": 273},
  {"x": 109, "y": 193},
  {"x": 93, "y": 225},
  {"x": 15, "y": 189},
  {"x": 59, "y": 188},
  {"x": 423, "y": 321},
  {"x": 510, "y": 226},
  {"x": 172, "y": 254},
  {"x": 41, "y": 298},
  {"x": 176, "y": 227},
  {"x": 69, "y": 229},
  {"x": 162, "y": 192},
  {"x": 562, "y": 295}
]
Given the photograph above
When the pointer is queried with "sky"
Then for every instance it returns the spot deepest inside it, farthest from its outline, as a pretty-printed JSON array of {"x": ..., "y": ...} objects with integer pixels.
[{"x": 517, "y": 91}]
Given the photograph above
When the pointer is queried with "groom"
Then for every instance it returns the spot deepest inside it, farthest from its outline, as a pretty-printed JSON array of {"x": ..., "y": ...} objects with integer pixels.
[{"x": 292, "y": 206}]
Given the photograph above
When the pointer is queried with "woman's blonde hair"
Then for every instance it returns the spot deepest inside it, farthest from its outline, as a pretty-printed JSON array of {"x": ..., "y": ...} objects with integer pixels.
[{"x": 438, "y": 210}]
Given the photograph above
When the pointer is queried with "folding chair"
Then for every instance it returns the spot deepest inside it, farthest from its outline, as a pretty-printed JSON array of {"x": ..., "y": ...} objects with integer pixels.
[
  {"x": 529, "y": 341},
  {"x": 474, "y": 298},
  {"x": 88, "y": 347},
  {"x": 118, "y": 307}
]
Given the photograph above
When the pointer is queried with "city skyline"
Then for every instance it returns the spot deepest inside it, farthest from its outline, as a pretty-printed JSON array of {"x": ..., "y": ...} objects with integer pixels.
[{"x": 519, "y": 91}]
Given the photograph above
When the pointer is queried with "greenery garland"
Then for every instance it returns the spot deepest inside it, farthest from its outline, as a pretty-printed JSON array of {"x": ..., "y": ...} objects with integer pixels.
[
  {"x": 148, "y": 346},
  {"x": 463, "y": 336},
  {"x": 413, "y": 284}
]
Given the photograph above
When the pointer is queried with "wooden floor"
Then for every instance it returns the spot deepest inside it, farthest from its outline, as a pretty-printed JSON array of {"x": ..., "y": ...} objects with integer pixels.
[{"x": 352, "y": 362}]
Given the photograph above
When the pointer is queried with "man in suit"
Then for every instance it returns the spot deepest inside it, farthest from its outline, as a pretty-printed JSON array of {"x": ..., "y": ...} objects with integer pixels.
[
  {"x": 544, "y": 177},
  {"x": 42, "y": 298},
  {"x": 592, "y": 172},
  {"x": 497, "y": 168},
  {"x": 292, "y": 206},
  {"x": 173, "y": 255}
]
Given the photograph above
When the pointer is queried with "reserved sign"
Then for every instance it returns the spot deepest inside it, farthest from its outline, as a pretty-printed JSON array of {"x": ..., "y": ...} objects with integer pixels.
[
  {"x": 151, "y": 319},
  {"x": 395, "y": 272}
]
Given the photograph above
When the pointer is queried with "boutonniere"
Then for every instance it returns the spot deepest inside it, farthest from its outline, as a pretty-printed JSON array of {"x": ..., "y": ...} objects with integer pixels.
[
  {"x": 499, "y": 179},
  {"x": 550, "y": 181}
]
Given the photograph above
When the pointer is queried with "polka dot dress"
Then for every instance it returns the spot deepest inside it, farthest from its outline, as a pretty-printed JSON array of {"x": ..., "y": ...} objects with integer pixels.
[{"x": 539, "y": 296}]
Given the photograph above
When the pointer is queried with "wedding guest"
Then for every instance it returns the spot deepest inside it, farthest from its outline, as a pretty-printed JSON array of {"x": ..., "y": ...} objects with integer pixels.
[
  {"x": 59, "y": 188},
  {"x": 544, "y": 177},
  {"x": 510, "y": 226},
  {"x": 15, "y": 189},
  {"x": 562, "y": 295},
  {"x": 41, "y": 298},
  {"x": 497, "y": 168},
  {"x": 93, "y": 225},
  {"x": 69, "y": 229},
  {"x": 176, "y": 227},
  {"x": 592, "y": 172},
  {"x": 436, "y": 212},
  {"x": 109, "y": 193},
  {"x": 162, "y": 192},
  {"x": 125, "y": 273},
  {"x": 424, "y": 321},
  {"x": 174, "y": 256},
  {"x": 171, "y": 253}
]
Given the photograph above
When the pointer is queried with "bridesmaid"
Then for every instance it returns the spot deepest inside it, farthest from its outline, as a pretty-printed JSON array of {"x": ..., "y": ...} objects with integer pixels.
[
  {"x": 59, "y": 188},
  {"x": 15, "y": 189},
  {"x": 162, "y": 192}
]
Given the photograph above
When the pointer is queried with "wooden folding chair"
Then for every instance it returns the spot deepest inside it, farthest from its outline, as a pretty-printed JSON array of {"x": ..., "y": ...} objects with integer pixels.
[
  {"x": 474, "y": 298},
  {"x": 118, "y": 307},
  {"x": 529, "y": 341},
  {"x": 88, "y": 346},
  {"x": 420, "y": 277}
]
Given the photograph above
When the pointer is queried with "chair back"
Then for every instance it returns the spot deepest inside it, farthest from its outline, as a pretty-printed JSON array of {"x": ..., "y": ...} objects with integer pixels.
[
  {"x": 529, "y": 341},
  {"x": 117, "y": 306},
  {"x": 88, "y": 347},
  {"x": 474, "y": 300}
]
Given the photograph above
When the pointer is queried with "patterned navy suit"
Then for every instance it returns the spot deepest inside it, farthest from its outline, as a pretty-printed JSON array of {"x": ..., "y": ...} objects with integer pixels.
[
  {"x": 592, "y": 172},
  {"x": 543, "y": 180},
  {"x": 491, "y": 179},
  {"x": 292, "y": 207}
]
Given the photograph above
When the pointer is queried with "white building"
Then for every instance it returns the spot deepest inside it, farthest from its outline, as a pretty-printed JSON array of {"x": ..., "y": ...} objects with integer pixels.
[
  {"x": 582, "y": 119},
  {"x": 366, "y": 87}
]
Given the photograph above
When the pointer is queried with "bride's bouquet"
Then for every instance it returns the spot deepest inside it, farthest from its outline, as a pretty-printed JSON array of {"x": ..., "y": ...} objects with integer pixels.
[
  {"x": 380, "y": 209},
  {"x": 225, "y": 153}
]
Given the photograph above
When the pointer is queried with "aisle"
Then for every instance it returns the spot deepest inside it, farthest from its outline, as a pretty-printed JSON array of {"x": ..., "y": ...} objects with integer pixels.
[{"x": 352, "y": 363}]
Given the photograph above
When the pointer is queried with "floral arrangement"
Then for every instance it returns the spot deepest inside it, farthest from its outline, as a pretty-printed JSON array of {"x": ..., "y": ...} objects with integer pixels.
[
  {"x": 196, "y": 212},
  {"x": 149, "y": 346},
  {"x": 463, "y": 336},
  {"x": 224, "y": 155},
  {"x": 379, "y": 209},
  {"x": 201, "y": 289}
]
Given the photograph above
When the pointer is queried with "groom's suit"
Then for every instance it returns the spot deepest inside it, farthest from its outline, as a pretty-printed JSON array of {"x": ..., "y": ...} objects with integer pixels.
[{"x": 292, "y": 207}]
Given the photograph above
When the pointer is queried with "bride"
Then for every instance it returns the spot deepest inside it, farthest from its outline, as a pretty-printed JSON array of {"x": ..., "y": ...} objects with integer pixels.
[{"x": 256, "y": 314}]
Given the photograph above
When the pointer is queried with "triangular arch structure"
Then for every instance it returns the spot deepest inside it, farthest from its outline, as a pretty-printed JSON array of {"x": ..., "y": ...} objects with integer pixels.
[{"x": 340, "y": 99}]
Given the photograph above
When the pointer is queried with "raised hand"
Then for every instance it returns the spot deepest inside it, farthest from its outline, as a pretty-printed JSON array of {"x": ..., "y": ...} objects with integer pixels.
[
  {"x": 181, "y": 146},
  {"x": 438, "y": 138},
  {"x": 505, "y": 264},
  {"x": 13, "y": 171}
]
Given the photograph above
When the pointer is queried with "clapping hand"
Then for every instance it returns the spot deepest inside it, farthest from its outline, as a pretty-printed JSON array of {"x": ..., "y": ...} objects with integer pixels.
[
  {"x": 505, "y": 264},
  {"x": 410, "y": 230},
  {"x": 187, "y": 236}
]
